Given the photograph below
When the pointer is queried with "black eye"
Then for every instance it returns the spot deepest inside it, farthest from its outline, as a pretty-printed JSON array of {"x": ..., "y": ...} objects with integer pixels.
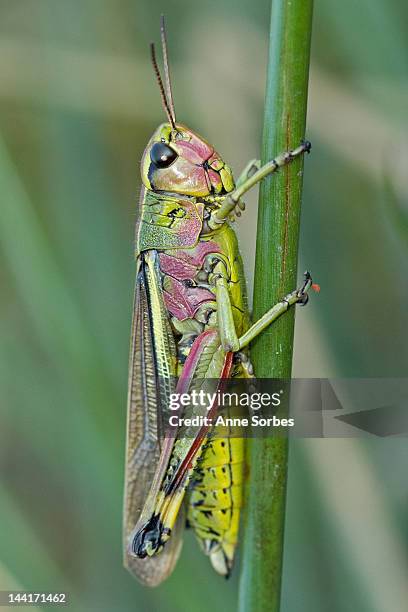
[{"x": 162, "y": 155}]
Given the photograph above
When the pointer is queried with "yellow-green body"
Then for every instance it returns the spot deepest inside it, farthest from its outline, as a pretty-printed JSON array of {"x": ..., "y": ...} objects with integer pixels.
[
  {"x": 190, "y": 327},
  {"x": 198, "y": 254}
]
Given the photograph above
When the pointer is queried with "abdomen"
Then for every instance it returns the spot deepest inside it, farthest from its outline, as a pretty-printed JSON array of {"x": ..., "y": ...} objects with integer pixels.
[{"x": 215, "y": 491}]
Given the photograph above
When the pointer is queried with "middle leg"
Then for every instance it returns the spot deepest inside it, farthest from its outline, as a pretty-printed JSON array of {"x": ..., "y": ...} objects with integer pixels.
[{"x": 228, "y": 334}]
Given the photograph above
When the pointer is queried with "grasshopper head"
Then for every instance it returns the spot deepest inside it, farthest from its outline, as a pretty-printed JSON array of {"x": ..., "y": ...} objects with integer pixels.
[{"x": 177, "y": 160}]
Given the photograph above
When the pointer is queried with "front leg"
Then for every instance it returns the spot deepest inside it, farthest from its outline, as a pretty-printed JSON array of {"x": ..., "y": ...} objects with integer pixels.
[{"x": 232, "y": 201}]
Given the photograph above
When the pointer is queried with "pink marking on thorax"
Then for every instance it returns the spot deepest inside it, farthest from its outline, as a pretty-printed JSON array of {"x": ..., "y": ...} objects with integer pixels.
[
  {"x": 183, "y": 302},
  {"x": 181, "y": 265},
  {"x": 184, "y": 263},
  {"x": 190, "y": 230},
  {"x": 177, "y": 268}
]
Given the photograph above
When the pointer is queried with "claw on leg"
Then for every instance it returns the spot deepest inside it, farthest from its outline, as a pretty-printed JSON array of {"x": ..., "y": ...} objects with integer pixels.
[
  {"x": 307, "y": 145},
  {"x": 303, "y": 291}
]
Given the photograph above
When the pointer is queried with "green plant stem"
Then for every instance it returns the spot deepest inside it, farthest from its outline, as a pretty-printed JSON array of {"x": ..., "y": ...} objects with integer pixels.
[{"x": 276, "y": 275}]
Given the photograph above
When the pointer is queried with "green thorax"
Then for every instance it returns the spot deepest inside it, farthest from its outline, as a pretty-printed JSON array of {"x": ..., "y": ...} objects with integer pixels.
[{"x": 168, "y": 222}]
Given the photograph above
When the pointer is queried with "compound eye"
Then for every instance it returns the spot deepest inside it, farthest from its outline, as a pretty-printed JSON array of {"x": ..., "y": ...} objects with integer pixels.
[{"x": 162, "y": 155}]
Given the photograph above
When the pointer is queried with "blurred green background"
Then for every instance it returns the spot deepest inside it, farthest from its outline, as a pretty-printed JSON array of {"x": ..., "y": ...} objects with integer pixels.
[{"x": 78, "y": 103}]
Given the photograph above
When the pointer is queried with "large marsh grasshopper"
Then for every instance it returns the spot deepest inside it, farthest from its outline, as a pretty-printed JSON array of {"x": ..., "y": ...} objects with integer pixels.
[{"x": 190, "y": 322}]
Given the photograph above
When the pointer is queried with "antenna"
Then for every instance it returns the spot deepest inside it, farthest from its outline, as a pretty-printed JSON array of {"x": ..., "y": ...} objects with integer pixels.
[
  {"x": 166, "y": 67},
  {"x": 161, "y": 87}
]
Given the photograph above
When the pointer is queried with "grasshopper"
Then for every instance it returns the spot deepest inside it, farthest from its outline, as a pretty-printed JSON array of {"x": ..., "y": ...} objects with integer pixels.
[{"x": 190, "y": 323}]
